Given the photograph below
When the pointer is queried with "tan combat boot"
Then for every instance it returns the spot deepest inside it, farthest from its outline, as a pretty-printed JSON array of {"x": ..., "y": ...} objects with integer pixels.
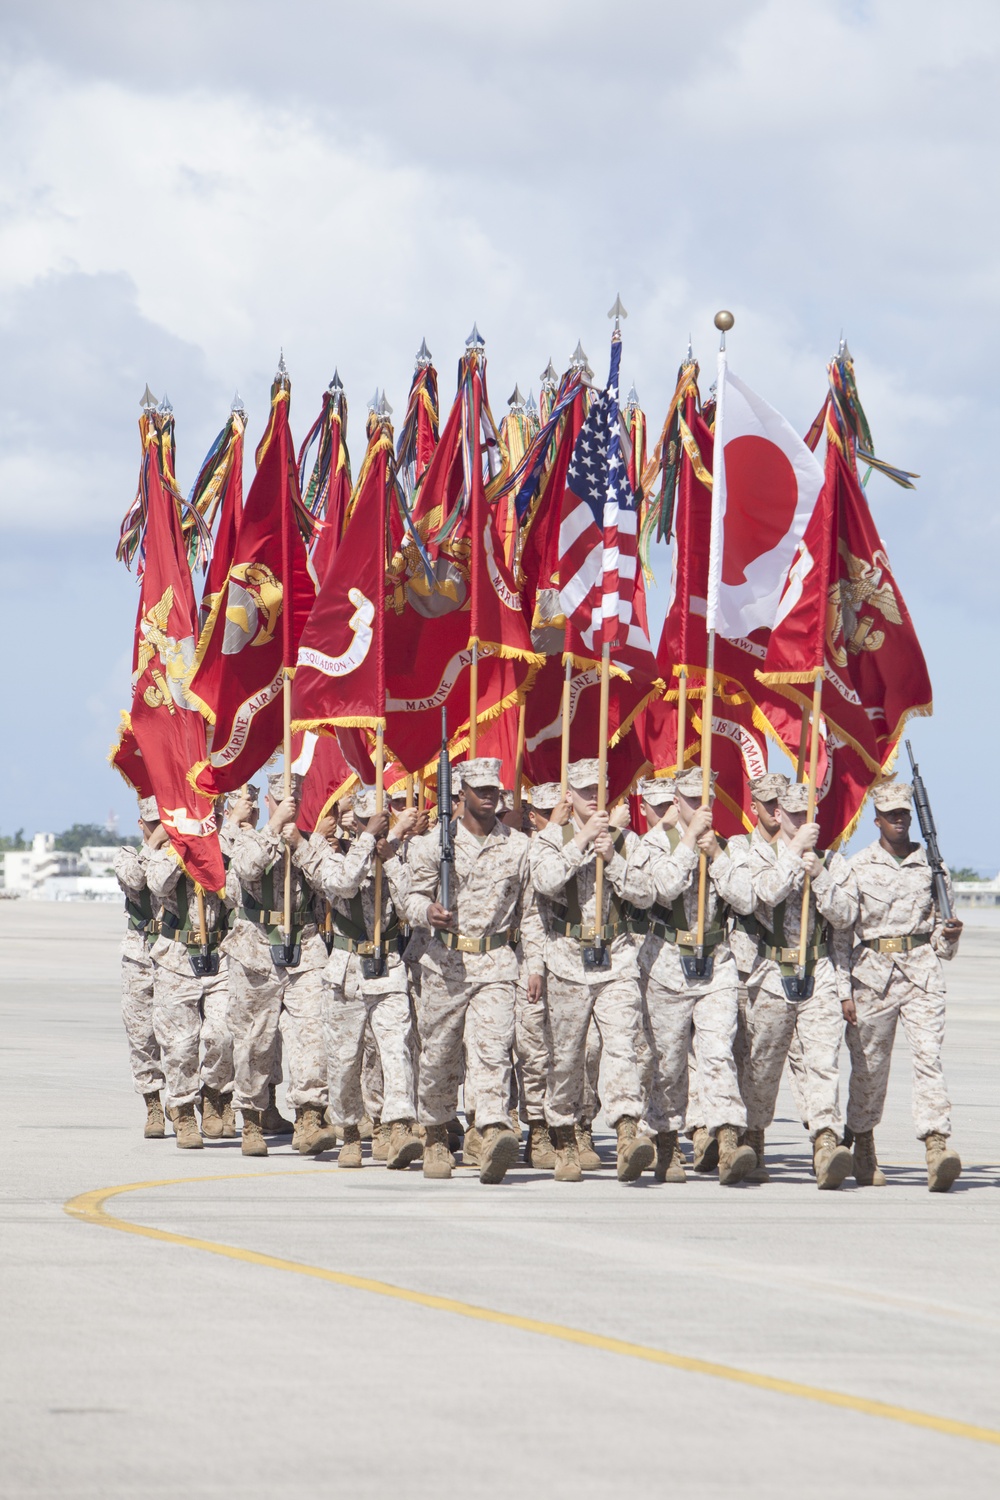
[
  {"x": 566, "y": 1167},
  {"x": 366, "y": 1127},
  {"x": 735, "y": 1161},
  {"x": 943, "y": 1164},
  {"x": 186, "y": 1127},
  {"x": 437, "y": 1157},
  {"x": 404, "y": 1145},
  {"x": 273, "y": 1121},
  {"x": 350, "y": 1152},
  {"x": 211, "y": 1113},
  {"x": 456, "y": 1135},
  {"x": 538, "y": 1150},
  {"x": 706, "y": 1150},
  {"x": 669, "y": 1158},
  {"x": 253, "y": 1142},
  {"x": 315, "y": 1135},
  {"x": 498, "y": 1153},
  {"x": 831, "y": 1161},
  {"x": 155, "y": 1125},
  {"x": 635, "y": 1151},
  {"x": 867, "y": 1172},
  {"x": 589, "y": 1159},
  {"x": 228, "y": 1118},
  {"x": 755, "y": 1140},
  {"x": 380, "y": 1141},
  {"x": 472, "y": 1145}
]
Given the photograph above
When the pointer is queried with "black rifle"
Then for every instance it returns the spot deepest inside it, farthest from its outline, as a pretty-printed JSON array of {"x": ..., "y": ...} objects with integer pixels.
[
  {"x": 445, "y": 814},
  {"x": 926, "y": 820}
]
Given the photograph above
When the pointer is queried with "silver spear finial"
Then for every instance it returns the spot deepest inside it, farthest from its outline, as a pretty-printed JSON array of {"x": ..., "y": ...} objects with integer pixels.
[
  {"x": 515, "y": 400},
  {"x": 618, "y": 312},
  {"x": 147, "y": 400},
  {"x": 578, "y": 359},
  {"x": 237, "y": 406},
  {"x": 549, "y": 376},
  {"x": 336, "y": 384},
  {"x": 424, "y": 358},
  {"x": 475, "y": 340}
]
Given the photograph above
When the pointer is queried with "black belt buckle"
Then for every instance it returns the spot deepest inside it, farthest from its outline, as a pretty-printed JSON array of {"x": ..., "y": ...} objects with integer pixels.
[
  {"x": 286, "y": 955},
  {"x": 798, "y": 987},
  {"x": 697, "y": 965},
  {"x": 596, "y": 957},
  {"x": 373, "y": 966},
  {"x": 204, "y": 963}
]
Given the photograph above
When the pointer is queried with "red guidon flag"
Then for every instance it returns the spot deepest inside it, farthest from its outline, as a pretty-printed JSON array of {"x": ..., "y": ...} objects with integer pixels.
[
  {"x": 841, "y": 615},
  {"x": 167, "y": 731},
  {"x": 252, "y": 633}
]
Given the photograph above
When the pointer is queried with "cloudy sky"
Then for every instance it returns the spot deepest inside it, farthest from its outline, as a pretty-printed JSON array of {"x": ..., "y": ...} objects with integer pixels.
[{"x": 188, "y": 188}]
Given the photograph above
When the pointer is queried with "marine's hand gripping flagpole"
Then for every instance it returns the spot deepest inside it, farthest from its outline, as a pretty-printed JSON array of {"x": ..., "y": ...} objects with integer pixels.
[
  {"x": 701, "y": 964},
  {"x": 804, "y": 985},
  {"x": 374, "y": 967}
]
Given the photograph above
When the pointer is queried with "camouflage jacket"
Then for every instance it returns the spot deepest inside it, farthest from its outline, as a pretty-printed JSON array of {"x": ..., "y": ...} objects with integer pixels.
[
  {"x": 130, "y": 872},
  {"x": 178, "y": 899},
  {"x": 778, "y": 875},
  {"x": 673, "y": 875},
  {"x": 346, "y": 879},
  {"x": 257, "y": 864},
  {"x": 897, "y": 900},
  {"x": 556, "y": 861}
]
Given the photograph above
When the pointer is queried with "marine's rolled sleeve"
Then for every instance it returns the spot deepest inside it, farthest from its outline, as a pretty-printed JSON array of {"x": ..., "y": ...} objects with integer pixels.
[{"x": 163, "y": 872}]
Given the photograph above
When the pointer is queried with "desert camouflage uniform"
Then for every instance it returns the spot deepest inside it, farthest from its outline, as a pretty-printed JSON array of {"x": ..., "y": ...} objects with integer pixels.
[
  {"x": 676, "y": 1005},
  {"x": 470, "y": 994},
  {"x": 577, "y": 995},
  {"x": 261, "y": 991},
  {"x": 897, "y": 901},
  {"x": 137, "y": 971},
  {"x": 777, "y": 874},
  {"x": 353, "y": 1006},
  {"x": 189, "y": 1010}
]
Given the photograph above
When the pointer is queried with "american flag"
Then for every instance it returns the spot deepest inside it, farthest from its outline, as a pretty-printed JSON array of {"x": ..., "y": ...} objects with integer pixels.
[{"x": 598, "y": 534}]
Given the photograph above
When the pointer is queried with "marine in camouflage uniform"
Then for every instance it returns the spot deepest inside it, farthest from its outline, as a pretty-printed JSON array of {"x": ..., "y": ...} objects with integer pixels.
[
  {"x": 591, "y": 971},
  {"x": 352, "y": 1000},
  {"x": 263, "y": 988},
  {"x": 469, "y": 971},
  {"x": 137, "y": 970},
  {"x": 677, "y": 1003},
  {"x": 189, "y": 1008},
  {"x": 778, "y": 872},
  {"x": 899, "y": 942}
]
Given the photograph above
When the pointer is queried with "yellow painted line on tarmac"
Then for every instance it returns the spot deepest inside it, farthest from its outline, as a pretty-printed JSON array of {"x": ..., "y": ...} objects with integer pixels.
[{"x": 90, "y": 1209}]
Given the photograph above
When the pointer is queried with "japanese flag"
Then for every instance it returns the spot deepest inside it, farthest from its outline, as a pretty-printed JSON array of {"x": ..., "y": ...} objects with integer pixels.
[{"x": 766, "y": 483}]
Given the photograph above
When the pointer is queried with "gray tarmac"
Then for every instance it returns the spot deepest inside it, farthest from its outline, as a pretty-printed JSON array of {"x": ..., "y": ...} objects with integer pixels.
[{"x": 133, "y": 1366}]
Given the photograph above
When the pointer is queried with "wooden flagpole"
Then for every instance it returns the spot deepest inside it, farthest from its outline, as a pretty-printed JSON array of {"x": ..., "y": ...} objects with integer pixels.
[
  {"x": 817, "y": 705},
  {"x": 564, "y": 747},
  {"x": 473, "y": 699},
  {"x": 379, "y": 779},
  {"x": 286, "y": 694},
  {"x": 409, "y": 791},
  {"x": 803, "y": 745},
  {"x": 682, "y": 715},
  {"x": 421, "y": 792},
  {"x": 519, "y": 757},
  {"x": 602, "y": 786},
  {"x": 708, "y": 709}
]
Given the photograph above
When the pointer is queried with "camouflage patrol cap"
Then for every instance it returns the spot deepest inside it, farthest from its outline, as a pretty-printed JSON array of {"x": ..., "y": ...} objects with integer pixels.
[
  {"x": 363, "y": 802},
  {"x": 583, "y": 773},
  {"x": 545, "y": 795},
  {"x": 689, "y": 782},
  {"x": 276, "y": 785},
  {"x": 484, "y": 771},
  {"x": 767, "y": 788},
  {"x": 892, "y": 795},
  {"x": 656, "y": 789},
  {"x": 148, "y": 810},
  {"x": 794, "y": 797},
  {"x": 249, "y": 790}
]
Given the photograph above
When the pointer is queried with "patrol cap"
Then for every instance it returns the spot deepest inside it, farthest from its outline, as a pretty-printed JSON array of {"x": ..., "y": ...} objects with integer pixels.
[
  {"x": 794, "y": 797},
  {"x": 545, "y": 795},
  {"x": 363, "y": 802},
  {"x": 583, "y": 773},
  {"x": 485, "y": 771},
  {"x": 689, "y": 782},
  {"x": 892, "y": 795},
  {"x": 656, "y": 789},
  {"x": 767, "y": 788},
  {"x": 249, "y": 790},
  {"x": 276, "y": 785},
  {"x": 148, "y": 810}
]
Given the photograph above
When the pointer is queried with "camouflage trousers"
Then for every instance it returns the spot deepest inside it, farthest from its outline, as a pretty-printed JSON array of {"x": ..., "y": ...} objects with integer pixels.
[
  {"x": 591, "y": 1106},
  {"x": 817, "y": 1024},
  {"x": 532, "y": 1054},
  {"x": 256, "y": 1002},
  {"x": 137, "y": 1014},
  {"x": 189, "y": 1023},
  {"x": 372, "y": 1076},
  {"x": 615, "y": 1006},
  {"x": 703, "y": 1017},
  {"x": 349, "y": 1018},
  {"x": 451, "y": 1011},
  {"x": 797, "y": 1078},
  {"x": 870, "y": 1046},
  {"x": 741, "y": 1056}
]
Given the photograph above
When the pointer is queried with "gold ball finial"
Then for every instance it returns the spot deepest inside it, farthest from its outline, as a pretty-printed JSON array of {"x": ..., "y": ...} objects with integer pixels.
[{"x": 724, "y": 320}]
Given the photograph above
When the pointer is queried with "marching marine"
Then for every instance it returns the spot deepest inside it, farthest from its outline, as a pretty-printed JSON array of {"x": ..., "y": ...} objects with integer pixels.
[
  {"x": 591, "y": 971},
  {"x": 137, "y": 970},
  {"x": 789, "y": 1000},
  {"x": 899, "y": 941}
]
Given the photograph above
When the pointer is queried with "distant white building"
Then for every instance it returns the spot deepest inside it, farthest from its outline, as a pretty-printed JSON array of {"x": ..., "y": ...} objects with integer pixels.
[
  {"x": 45, "y": 873},
  {"x": 977, "y": 892}
]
